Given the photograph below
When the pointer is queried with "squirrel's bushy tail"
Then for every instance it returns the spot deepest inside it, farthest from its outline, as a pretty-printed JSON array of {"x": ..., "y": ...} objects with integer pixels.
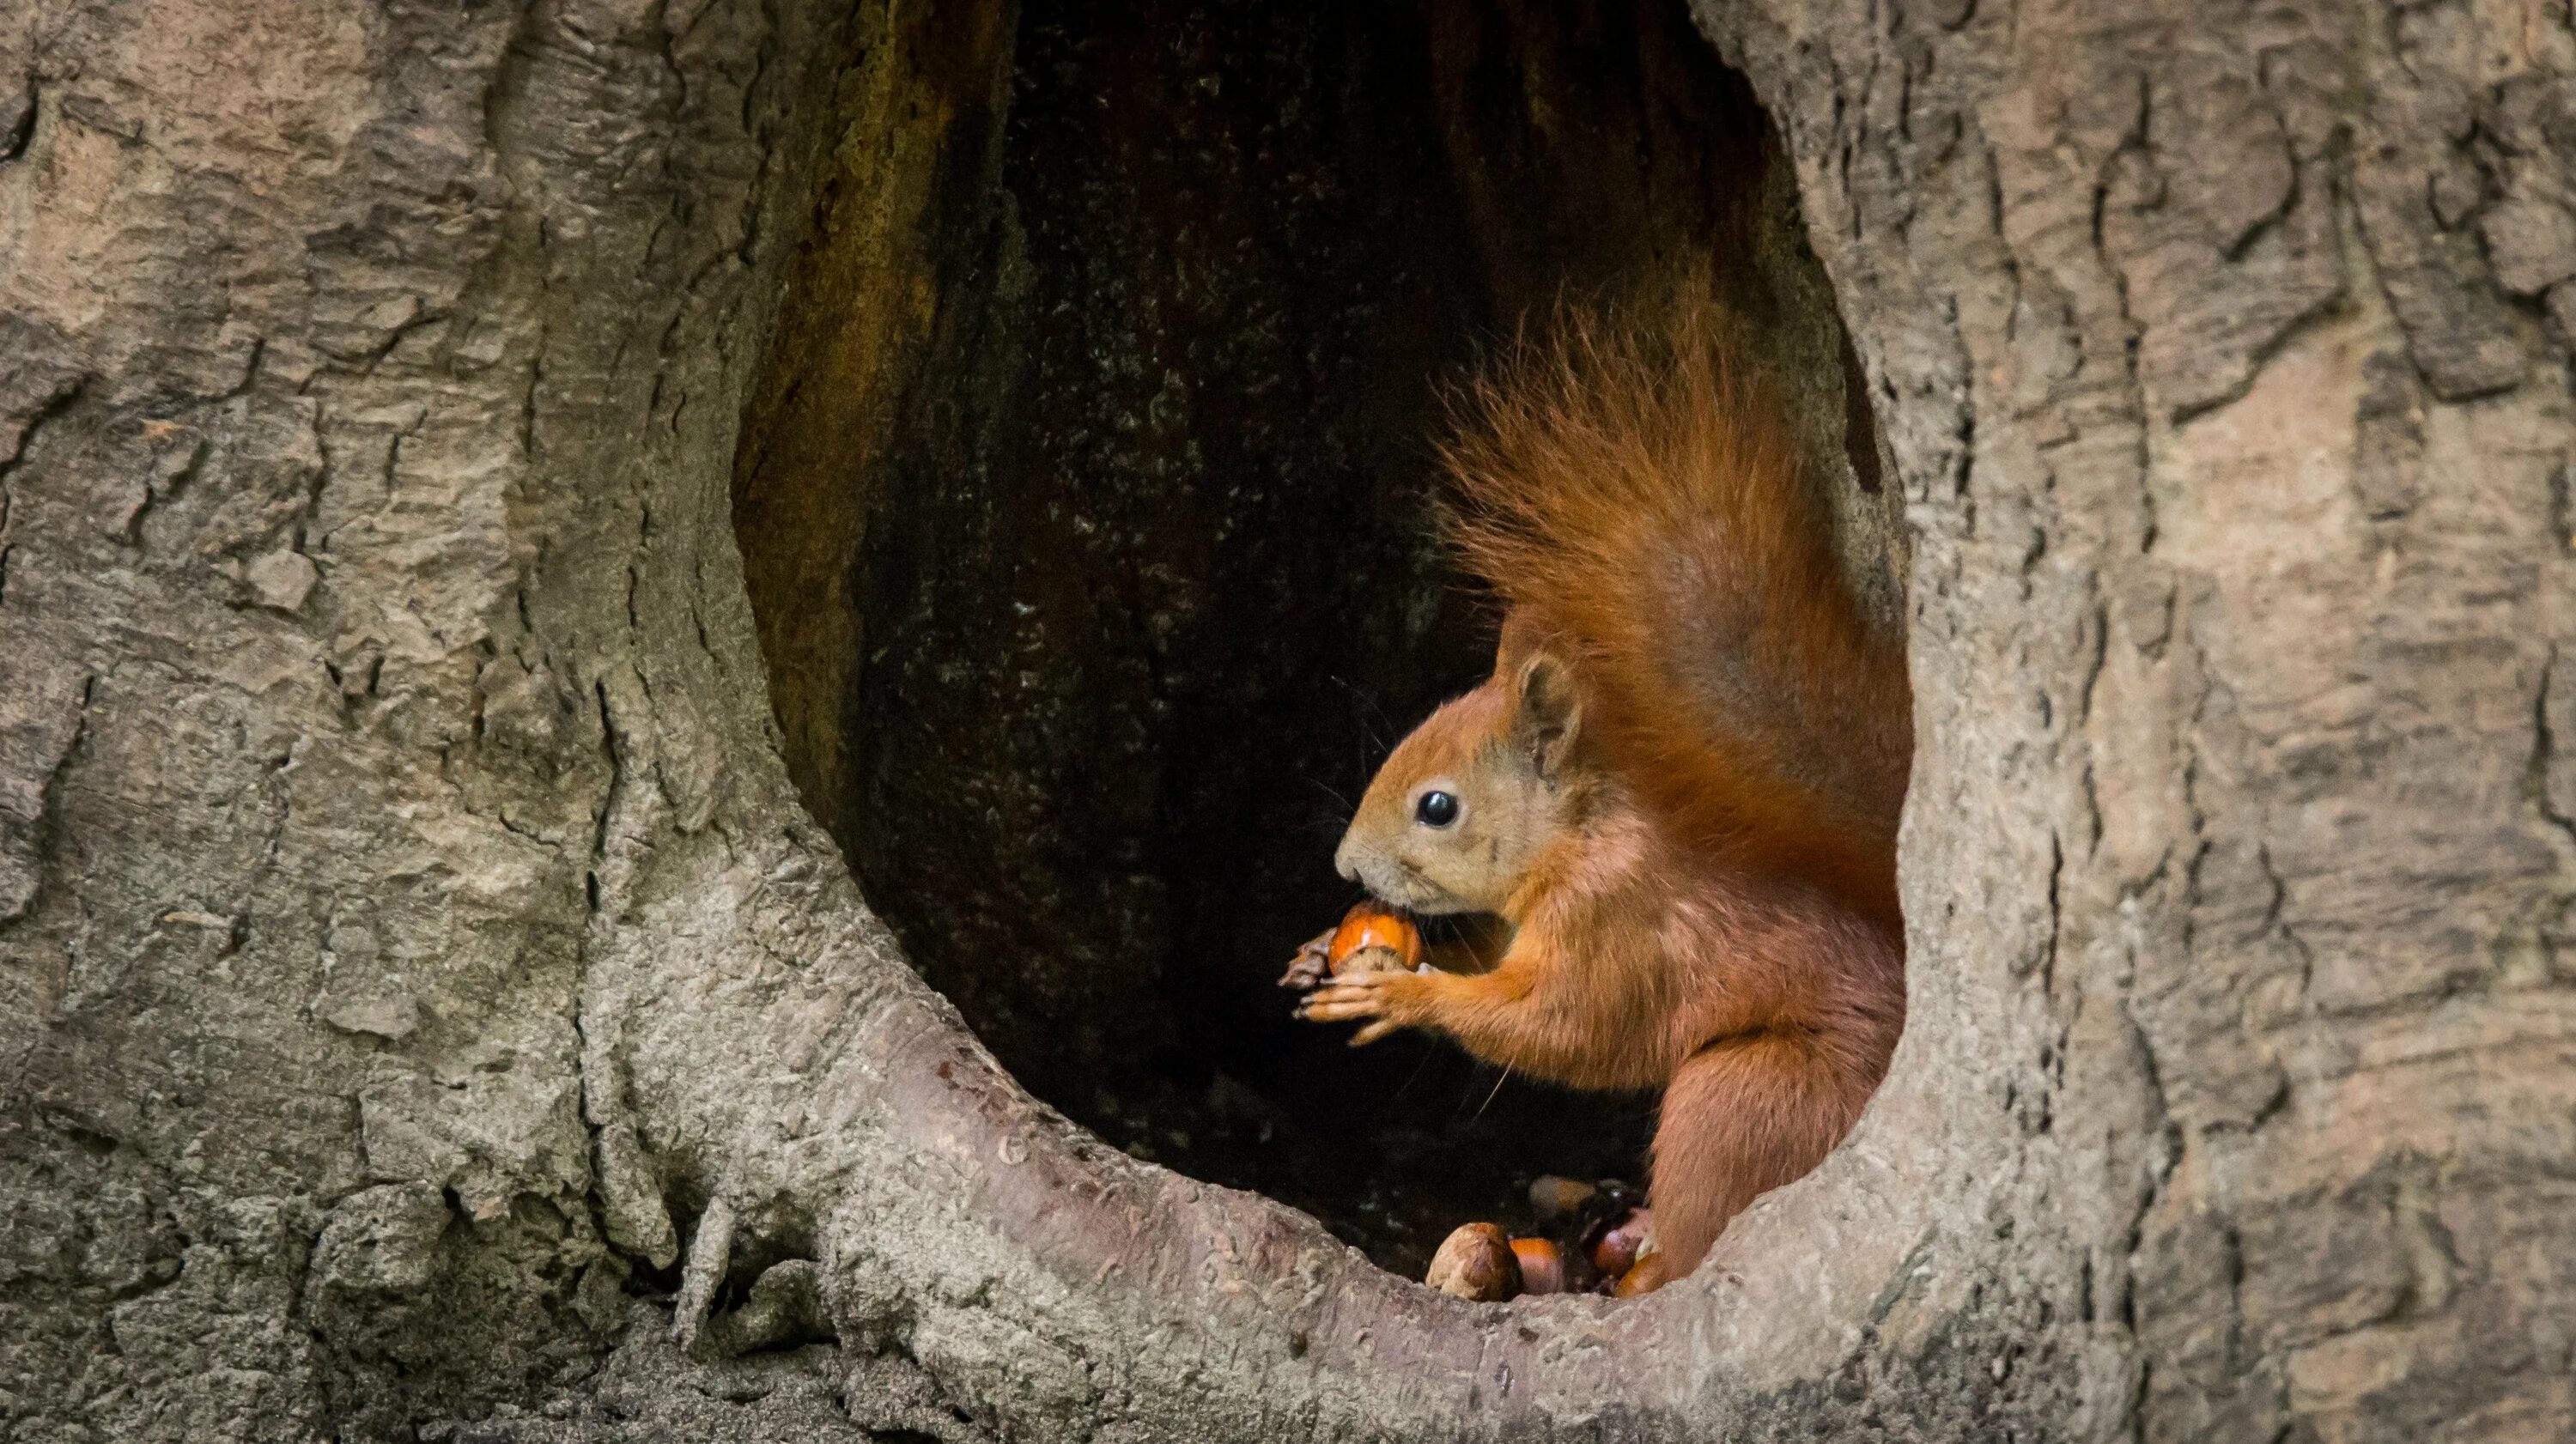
[{"x": 1632, "y": 491}]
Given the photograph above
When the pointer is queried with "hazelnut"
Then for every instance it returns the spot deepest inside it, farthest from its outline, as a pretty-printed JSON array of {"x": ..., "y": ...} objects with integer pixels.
[
  {"x": 1647, "y": 1275},
  {"x": 1475, "y": 1262},
  {"x": 1554, "y": 1196},
  {"x": 1620, "y": 1245},
  {"x": 1542, "y": 1267},
  {"x": 1373, "y": 938}
]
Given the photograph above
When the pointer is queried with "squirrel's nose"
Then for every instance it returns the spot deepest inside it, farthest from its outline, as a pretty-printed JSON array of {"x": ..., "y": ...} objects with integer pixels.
[{"x": 1346, "y": 860}]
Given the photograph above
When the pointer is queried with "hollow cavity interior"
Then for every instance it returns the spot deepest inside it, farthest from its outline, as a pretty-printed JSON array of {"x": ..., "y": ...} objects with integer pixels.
[{"x": 1086, "y": 505}]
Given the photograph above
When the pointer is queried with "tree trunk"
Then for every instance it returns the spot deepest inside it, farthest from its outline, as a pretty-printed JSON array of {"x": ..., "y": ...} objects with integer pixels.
[{"x": 428, "y": 1010}]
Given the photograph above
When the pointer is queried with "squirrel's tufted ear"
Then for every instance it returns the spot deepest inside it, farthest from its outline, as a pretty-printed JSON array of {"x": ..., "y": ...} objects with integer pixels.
[{"x": 1547, "y": 711}]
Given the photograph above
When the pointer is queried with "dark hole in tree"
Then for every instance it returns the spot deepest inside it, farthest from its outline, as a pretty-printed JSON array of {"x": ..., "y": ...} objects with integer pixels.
[{"x": 1085, "y": 505}]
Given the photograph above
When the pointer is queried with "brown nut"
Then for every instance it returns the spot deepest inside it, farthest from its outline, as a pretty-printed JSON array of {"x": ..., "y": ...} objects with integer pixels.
[
  {"x": 1647, "y": 1275},
  {"x": 1616, "y": 1251},
  {"x": 1542, "y": 1267},
  {"x": 1373, "y": 938},
  {"x": 1553, "y": 1196},
  {"x": 1475, "y": 1262}
]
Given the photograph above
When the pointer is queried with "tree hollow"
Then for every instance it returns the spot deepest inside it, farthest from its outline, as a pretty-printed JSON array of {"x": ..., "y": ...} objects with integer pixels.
[{"x": 1087, "y": 505}]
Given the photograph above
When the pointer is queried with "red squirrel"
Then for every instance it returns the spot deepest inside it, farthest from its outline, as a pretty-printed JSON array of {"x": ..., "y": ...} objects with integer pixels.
[{"x": 1679, "y": 788}]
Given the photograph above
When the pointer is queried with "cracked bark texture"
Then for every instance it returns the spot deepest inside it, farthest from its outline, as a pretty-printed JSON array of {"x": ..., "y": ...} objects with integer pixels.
[{"x": 425, "y": 1011}]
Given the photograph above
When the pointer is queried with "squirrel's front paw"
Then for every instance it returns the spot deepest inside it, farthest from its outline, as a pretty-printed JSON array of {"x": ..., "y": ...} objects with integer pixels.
[
  {"x": 1313, "y": 963},
  {"x": 1383, "y": 1002}
]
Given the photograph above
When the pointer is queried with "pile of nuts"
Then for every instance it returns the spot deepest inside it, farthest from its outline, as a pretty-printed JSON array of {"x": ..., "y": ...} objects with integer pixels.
[{"x": 1594, "y": 1239}]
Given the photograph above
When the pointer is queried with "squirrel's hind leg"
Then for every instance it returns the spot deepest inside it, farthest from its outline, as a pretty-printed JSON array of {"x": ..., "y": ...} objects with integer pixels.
[{"x": 1740, "y": 1117}]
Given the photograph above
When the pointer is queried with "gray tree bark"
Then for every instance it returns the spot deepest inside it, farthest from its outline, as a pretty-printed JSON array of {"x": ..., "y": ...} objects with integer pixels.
[{"x": 425, "y": 1008}]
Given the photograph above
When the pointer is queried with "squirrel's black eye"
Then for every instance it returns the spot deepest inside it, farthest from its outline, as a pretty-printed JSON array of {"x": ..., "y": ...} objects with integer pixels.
[{"x": 1436, "y": 809}]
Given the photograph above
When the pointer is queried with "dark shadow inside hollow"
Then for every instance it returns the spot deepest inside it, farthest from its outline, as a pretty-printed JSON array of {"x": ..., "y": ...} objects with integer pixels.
[{"x": 1086, "y": 506}]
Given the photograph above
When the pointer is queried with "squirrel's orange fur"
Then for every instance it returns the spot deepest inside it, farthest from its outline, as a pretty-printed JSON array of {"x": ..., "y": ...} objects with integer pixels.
[{"x": 1680, "y": 786}]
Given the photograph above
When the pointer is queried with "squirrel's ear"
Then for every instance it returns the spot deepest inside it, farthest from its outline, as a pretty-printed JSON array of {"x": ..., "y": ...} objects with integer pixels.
[{"x": 1548, "y": 712}]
